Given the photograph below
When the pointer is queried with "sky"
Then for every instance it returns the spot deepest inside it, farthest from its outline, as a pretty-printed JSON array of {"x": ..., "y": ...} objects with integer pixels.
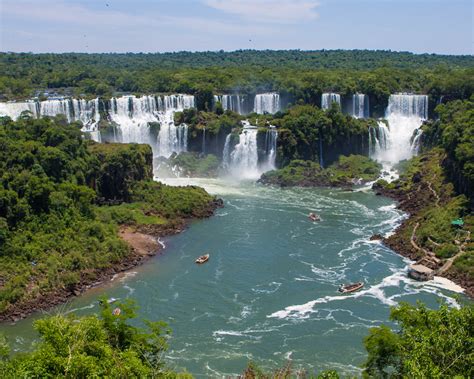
[{"x": 420, "y": 26}]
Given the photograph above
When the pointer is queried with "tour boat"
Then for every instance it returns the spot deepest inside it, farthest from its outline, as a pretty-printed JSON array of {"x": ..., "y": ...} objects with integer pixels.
[
  {"x": 314, "y": 217},
  {"x": 202, "y": 259},
  {"x": 346, "y": 288}
]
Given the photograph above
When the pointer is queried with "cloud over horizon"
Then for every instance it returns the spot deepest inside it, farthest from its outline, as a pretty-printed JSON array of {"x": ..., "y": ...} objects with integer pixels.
[
  {"x": 284, "y": 11},
  {"x": 202, "y": 25}
]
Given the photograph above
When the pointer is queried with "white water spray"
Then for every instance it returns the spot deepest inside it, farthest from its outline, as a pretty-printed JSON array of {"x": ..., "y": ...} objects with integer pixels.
[
  {"x": 242, "y": 161},
  {"x": 267, "y": 103},
  {"x": 328, "y": 98},
  {"x": 405, "y": 114},
  {"x": 86, "y": 111},
  {"x": 234, "y": 103},
  {"x": 133, "y": 117},
  {"x": 360, "y": 106}
]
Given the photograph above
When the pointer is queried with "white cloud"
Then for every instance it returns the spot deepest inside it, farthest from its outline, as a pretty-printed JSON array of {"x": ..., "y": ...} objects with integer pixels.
[
  {"x": 61, "y": 25},
  {"x": 279, "y": 11}
]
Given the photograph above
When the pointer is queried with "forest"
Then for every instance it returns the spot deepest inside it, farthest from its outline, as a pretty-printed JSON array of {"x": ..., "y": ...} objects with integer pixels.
[
  {"x": 62, "y": 202},
  {"x": 299, "y": 75}
]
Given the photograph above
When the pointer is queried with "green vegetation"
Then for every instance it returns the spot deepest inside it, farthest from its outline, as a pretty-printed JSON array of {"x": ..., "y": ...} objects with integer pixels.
[
  {"x": 347, "y": 171},
  {"x": 305, "y": 132},
  {"x": 429, "y": 344},
  {"x": 454, "y": 132},
  {"x": 302, "y": 75},
  {"x": 194, "y": 164},
  {"x": 436, "y": 188},
  {"x": 54, "y": 236},
  {"x": 107, "y": 345}
]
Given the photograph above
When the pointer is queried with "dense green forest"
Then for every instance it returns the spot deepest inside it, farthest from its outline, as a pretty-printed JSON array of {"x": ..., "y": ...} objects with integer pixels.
[
  {"x": 300, "y": 76},
  {"x": 305, "y": 132},
  {"x": 62, "y": 200}
]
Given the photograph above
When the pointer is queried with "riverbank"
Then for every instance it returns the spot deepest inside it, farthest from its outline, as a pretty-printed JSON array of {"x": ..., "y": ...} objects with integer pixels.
[
  {"x": 427, "y": 235},
  {"x": 144, "y": 243}
]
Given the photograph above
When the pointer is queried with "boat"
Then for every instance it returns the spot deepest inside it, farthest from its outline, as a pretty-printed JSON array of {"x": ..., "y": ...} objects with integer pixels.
[
  {"x": 314, "y": 217},
  {"x": 110, "y": 300},
  {"x": 347, "y": 288},
  {"x": 202, "y": 259}
]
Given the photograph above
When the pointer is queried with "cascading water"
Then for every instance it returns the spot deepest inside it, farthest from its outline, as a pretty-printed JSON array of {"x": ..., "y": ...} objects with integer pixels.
[
  {"x": 267, "y": 103},
  {"x": 244, "y": 157},
  {"x": 14, "y": 109},
  {"x": 360, "y": 105},
  {"x": 86, "y": 111},
  {"x": 378, "y": 139},
  {"x": 226, "y": 153},
  {"x": 133, "y": 117},
  {"x": 328, "y": 98},
  {"x": 242, "y": 161},
  {"x": 405, "y": 114},
  {"x": 231, "y": 102},
  {"x": 271, "y": 137}
]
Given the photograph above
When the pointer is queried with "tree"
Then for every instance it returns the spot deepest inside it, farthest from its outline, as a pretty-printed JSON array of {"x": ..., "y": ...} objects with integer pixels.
[
  {"x": 93, "y": 346},
  {"x": 429, "y": 344}
]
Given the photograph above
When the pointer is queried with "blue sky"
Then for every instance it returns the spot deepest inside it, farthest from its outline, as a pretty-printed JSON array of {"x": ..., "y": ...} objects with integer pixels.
[{"x": 433, "y": 26}]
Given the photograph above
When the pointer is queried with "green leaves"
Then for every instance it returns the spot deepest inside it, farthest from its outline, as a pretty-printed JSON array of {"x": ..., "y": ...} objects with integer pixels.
[{"x": 430, "y": 343}]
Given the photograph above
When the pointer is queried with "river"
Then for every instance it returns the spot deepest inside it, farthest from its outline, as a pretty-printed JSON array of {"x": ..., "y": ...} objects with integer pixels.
[{"x": 269, "y": 290}]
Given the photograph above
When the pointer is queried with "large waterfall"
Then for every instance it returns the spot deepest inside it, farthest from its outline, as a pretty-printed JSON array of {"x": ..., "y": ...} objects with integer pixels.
[
  {"x": 242, "y": 162},
  {"x": 244, "y": 157},
  {"x": 405, "y": 114},
  {"x": 135, "y": 117},
  {"x": 271, "y": 137},
  {"x": 328, "y": 98},
  {"x": 234, "y": 103},
  {"x": 360, "y": 105},
  {"x": 86, "y": 111},
  {"x": 267, "y": 103}
]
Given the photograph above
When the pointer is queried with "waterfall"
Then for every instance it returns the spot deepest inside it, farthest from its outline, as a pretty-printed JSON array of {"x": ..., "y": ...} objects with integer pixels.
[
  {"x": 328, "y": 98},
  {"x": 133, "y": 116},
  {"x": 242, "y": 161},
  {"x": 271, "y": 137},
  {"x": 226, "y": 152},
  {"x": 231, "y": 102},
  {"x": 378, "y": 139},
  {"x": 86, "y": 111},
  {"x": 266, "y": 103},
  {"x": 360, "y": 105},
  {"x": 405, "y": 114},
  {"x": 244, "y": 157},
  {"x": 14, "y": 109}
]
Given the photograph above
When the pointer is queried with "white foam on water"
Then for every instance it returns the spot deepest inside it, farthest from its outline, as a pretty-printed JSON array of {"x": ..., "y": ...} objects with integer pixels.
[
  {"x": 445, "y": 283},
  {"x": 376, "y": 291},
  {"x": 162, "y": 244},
  {"x": 271, "y": 288}
]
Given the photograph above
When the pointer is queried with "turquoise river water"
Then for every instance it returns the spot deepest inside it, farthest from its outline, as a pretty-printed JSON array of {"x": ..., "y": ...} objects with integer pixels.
[{"x": 269, "y": 290}]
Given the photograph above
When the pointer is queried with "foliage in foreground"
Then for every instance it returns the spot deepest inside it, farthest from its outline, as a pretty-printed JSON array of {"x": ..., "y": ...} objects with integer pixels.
[
  {"x": 107, "y": 345},
  {"x": 426, "y": 344},
  {"x": 429, "y": 344}
]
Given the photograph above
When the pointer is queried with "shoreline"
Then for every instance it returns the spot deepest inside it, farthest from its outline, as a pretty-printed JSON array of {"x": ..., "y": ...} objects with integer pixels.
[
  {"x": 144, "y": 244},
  {"x": 411, "y": 203}
]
